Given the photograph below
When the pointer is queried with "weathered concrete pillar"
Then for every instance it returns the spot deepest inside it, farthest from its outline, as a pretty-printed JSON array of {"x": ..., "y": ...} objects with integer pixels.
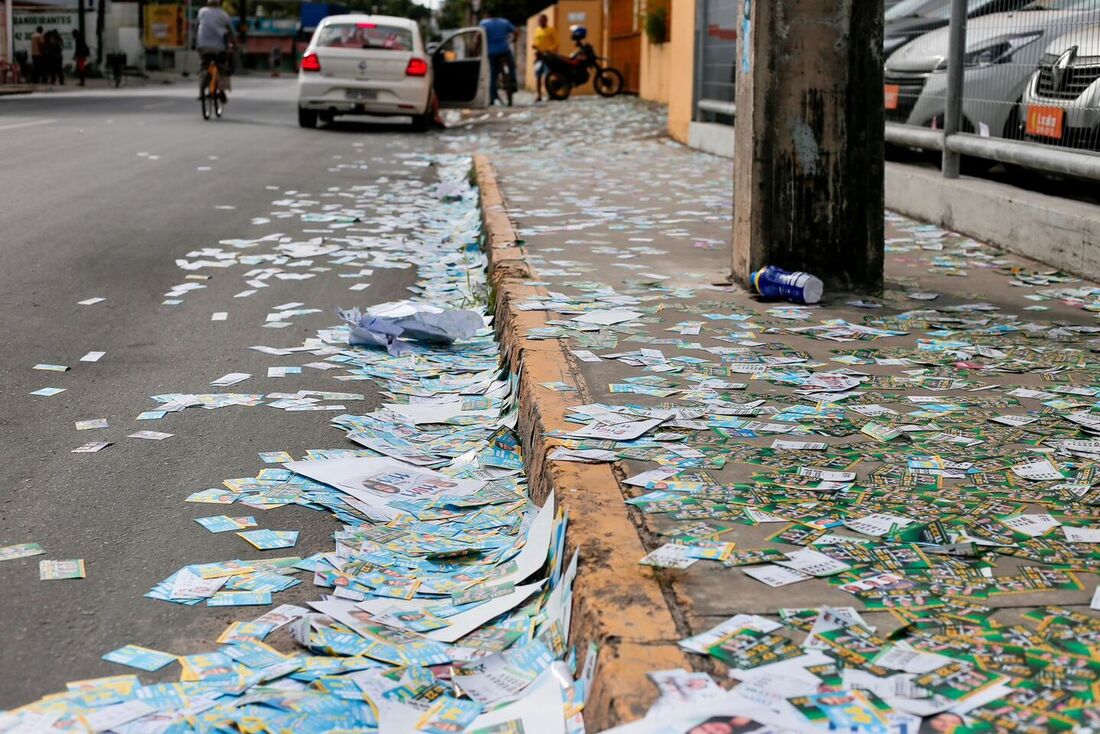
[{"x": 808, "y": 172}]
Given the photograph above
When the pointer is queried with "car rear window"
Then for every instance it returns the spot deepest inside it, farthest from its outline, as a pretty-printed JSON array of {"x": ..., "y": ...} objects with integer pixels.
[{"x": 365, "y": 35}]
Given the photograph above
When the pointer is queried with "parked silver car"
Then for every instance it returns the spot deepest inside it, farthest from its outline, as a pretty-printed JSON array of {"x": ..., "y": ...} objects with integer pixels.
[
  {"x": 1002, "y": 52},
  {"x": 1061, "y": 103}
]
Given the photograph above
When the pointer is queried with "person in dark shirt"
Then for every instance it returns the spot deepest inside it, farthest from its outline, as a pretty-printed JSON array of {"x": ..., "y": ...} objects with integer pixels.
[{"x": 499, "y": 33}]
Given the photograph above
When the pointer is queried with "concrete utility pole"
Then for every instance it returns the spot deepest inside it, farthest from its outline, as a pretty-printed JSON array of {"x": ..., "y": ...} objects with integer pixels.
[
  {"x": 808, "y": 147},
  {"x": 9, "y": 25}
]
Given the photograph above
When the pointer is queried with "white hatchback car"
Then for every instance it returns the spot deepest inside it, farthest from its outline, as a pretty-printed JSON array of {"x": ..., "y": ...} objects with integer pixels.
[{"x": 378, "y": 65}]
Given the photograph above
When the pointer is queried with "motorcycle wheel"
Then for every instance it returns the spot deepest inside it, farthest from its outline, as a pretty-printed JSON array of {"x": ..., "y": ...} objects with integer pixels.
[
  {"x": 557, "y": 86},
  {"x": 608, "y": 82}
]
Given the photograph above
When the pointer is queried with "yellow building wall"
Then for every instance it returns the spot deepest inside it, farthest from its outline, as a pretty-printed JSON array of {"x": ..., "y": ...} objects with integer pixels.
[
  {"x": 588, "y": 13},
  {"x": 681, "y": 68},
  {"x": 653, "y": 71}
]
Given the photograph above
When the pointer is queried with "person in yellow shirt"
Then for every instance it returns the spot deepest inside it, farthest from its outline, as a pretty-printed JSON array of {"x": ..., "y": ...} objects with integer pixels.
[{"x": 544, "y": 42}]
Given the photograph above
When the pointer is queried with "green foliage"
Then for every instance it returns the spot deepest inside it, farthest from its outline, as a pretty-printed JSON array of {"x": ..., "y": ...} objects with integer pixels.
[{"x": 656, "y": 24}]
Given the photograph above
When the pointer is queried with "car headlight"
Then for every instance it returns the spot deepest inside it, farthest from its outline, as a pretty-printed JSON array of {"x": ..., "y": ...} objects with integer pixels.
[{"x": 996, "y": 51}]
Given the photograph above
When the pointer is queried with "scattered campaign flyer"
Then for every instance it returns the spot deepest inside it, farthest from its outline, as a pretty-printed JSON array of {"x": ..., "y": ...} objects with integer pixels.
[
  {"x": 59, "y": 570},
  {"x": 21, "y": 550},
  {"x": 380, "y": 482},
  {"x": 91, "y": 424},
  {"x": 151, "y": 435},
  {"x": 270, "y": 539},
  {"x": 91, "y": 447},
  {"x": 139, "y": 657}
]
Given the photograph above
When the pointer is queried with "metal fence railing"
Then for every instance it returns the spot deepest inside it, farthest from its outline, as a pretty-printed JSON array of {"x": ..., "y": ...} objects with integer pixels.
[{"x": 1020, "y": 86}]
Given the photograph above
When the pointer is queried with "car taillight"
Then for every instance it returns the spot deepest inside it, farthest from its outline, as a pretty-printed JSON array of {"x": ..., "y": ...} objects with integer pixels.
[
  {"x": 310, "y": 62},
  {"x": 416, "y": 67}
]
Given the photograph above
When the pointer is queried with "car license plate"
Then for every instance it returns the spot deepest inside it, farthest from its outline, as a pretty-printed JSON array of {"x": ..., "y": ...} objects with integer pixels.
[
  {"x": 1045, "y": 122},
  {"x": 361, "y": 93},
  {"x": 890, "y": 93}
]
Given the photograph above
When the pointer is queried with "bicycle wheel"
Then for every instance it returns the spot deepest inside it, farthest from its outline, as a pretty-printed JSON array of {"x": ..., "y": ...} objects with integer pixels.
[
  {"x": 557, "y": 86},
  {"x": 207, "y": 103},
  {"x": 608, "y": 82},
  {"x": 219, "y": 106}
]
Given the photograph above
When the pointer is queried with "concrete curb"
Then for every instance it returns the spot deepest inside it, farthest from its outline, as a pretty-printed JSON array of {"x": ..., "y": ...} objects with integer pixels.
[{"x": 617, "y": 603}]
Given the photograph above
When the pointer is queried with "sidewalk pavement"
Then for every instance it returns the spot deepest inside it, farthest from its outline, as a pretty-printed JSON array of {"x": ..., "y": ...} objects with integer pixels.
[
  {"x": 612, "y": 216},
  {"x": 72, "y": 84}
]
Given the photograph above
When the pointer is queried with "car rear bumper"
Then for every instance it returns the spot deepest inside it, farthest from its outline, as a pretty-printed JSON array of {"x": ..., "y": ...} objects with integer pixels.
[{"x": 406, "y": 97}]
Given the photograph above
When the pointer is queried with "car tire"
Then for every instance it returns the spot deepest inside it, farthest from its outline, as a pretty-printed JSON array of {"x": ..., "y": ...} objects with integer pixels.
[
  {"x": 307, "y": 118},
  {"x": 422, "y": 123}
]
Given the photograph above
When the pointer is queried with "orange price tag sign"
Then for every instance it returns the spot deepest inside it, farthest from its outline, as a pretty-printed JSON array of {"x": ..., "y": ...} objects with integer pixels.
[
  {"x": 1045, "y": 122},
  {"x": 890, "y": 94}
]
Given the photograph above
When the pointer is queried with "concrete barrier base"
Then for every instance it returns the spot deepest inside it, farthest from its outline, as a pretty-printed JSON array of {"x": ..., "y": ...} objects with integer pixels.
[{"x": 1059, "y": 232}]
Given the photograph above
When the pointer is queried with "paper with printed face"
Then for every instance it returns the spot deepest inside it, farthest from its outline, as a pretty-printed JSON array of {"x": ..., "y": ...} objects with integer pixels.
[
  {"x": 377, "y": 482},
  {"x": 703, "y": 641}
]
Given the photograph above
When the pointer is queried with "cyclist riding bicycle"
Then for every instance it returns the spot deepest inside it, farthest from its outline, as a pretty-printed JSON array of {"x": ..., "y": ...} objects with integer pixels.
[{"x": 212, "y": 39}]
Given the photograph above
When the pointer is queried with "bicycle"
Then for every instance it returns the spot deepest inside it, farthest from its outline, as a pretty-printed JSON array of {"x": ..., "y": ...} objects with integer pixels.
[{"x": 212, "y": 96}]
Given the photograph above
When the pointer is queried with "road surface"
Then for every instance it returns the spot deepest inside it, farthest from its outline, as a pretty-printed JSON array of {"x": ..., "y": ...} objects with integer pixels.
[{"x": 101, "y": 192}]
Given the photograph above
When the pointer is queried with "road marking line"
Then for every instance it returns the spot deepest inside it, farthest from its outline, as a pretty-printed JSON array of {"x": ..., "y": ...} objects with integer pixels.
[
  {"x": 26, "y": 124},
  {"x": 158, "y": 104}
]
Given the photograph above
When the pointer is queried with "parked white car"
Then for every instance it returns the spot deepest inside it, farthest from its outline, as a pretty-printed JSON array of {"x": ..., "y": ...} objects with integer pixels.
[
  {"x": 378, "y": 65},
  {"x": 1002, "y": 51},
  {"x": 1061, "y": 104}
]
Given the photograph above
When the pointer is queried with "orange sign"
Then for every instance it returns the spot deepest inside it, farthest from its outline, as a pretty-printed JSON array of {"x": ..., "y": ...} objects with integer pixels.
[
  {"x": 165, "y": 26},
  {"x": 1045, "y": 121},
  {"x": 890, "y": 93}
]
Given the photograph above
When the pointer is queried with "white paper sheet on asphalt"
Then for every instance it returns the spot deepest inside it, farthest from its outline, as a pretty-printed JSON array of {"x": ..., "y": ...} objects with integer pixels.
[{"x": 378, "y": 481}]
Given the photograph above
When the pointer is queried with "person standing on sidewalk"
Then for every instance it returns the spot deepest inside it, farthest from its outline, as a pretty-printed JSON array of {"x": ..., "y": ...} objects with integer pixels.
[
  {"x": 544, "y": 42},
  {"x": 55, "y": 56},
  {"x": 38, "y": 55},
  {"x": 81, "y": 52},
  {"x": 498, "y": 33}
]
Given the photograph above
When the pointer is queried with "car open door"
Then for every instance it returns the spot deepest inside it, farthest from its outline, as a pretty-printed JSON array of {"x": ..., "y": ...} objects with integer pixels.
[{"x": 460, "y": 69}]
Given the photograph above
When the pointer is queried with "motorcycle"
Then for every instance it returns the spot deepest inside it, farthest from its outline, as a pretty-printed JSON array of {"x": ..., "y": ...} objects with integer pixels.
[{"x": 566, "y": 72}]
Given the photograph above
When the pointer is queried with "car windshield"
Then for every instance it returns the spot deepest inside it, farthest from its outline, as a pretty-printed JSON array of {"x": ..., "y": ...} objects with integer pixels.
[
  {"x": 365, "y": 35},
  {"x": 972, "y": 6},
  {"x": 912, "y": 8},
  {"x": 1064, "y": 5}
]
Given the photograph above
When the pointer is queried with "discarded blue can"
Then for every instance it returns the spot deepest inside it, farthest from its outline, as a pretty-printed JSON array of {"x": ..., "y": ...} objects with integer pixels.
[{"x": 773, "y": 282}]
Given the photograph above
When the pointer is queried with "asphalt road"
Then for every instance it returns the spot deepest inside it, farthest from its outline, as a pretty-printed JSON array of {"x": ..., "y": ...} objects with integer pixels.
[{"x": 99, "y": 193}]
